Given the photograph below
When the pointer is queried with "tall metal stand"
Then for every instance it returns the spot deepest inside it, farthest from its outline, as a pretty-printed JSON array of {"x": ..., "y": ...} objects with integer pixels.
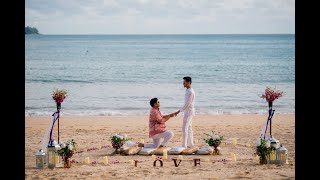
[
  {"x": 58, "y": 109},
  {"x": 271, "y": 112}
]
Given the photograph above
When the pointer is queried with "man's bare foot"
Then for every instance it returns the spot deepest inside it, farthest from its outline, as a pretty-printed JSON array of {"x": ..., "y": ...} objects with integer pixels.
[{"x": 140, "y": 145}]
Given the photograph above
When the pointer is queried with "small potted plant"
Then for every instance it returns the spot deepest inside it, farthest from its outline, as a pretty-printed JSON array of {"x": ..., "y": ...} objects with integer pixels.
[
  {"x": 67, "y": 150},
  {"x": 213, "y": 140},
  {"x": 263, "y": 150},
  {"x": 118, "y": 140}
]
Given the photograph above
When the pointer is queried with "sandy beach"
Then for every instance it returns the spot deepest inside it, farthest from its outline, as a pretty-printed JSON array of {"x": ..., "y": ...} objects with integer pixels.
[{"x": 92, "y": 131}]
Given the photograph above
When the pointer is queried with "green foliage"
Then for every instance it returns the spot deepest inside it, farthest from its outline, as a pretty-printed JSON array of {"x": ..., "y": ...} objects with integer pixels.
[
  {"x": 30, "y": 30},
  {"x": 264, "y": 149}
]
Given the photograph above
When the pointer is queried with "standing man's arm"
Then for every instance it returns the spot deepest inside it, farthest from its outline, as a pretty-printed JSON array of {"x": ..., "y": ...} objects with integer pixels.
[{"x": 187, "y": 103}]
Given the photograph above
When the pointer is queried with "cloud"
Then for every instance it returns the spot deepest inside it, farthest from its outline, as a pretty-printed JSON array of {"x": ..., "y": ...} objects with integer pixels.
[{"x": 160, "y": 16}]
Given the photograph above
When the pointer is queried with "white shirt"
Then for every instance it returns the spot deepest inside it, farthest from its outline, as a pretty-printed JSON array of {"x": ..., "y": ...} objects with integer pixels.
[{"x": 189, "y": 100}]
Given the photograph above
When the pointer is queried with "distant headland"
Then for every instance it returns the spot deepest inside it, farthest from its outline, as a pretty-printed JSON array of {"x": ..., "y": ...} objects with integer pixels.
[{"x": 31, "y": 30}]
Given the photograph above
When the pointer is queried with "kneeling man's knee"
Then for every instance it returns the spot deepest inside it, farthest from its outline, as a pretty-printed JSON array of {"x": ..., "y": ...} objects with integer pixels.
[{"x": 171, "y": 133}]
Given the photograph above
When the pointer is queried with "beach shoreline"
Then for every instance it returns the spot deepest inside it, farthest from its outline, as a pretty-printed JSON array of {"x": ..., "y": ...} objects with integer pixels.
[{"x": 92, "y": 131}]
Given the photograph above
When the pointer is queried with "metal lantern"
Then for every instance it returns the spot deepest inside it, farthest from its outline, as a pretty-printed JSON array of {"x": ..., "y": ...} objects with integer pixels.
[
  {"x": 272, "y": 157},
  {"x": 41, "y": 160},
  {"x": 54, "y": 160},
  {"x": 282, "y": 155},
  {"x": 274, "y": 142}
]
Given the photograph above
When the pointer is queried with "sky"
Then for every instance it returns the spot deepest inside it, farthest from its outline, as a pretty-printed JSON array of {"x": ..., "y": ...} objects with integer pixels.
[{"x": 161, "y": 16}]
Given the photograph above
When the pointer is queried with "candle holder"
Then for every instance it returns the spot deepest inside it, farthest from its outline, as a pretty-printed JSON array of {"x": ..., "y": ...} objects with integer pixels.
[
  {"x": 41, "y": 161},
  {"x": 54, "y": 160}
]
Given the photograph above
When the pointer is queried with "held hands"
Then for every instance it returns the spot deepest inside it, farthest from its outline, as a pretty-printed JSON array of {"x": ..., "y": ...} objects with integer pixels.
[{"x": 175, "y": 113}]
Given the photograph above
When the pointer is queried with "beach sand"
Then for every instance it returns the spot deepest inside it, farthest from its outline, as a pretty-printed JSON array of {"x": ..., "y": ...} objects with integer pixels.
[{"x": 90, "y": 131}]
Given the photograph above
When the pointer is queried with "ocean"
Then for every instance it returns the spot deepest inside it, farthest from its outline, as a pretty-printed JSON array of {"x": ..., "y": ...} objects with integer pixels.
[{"x": 117, "y": 75}]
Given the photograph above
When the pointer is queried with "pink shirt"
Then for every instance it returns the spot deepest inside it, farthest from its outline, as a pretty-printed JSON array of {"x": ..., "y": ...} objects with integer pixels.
[{"x": 156, "y": 122}]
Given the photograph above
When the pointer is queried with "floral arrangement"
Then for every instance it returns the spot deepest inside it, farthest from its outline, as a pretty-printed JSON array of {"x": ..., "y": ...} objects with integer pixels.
[
  {"x": 67, "y": 149},
  {"x": 59, "y": 95},
  {"x": 118, "y": 140},
  {"x": 271, "y": 94},
  {"x": 263, "y": 148},
  {"x": 213, "y": 139}
]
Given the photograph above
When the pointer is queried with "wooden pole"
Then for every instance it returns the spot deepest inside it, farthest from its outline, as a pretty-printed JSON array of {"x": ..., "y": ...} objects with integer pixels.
[
  {"x": 58, "y": 109},
  {"x": 58, "y": 130}
]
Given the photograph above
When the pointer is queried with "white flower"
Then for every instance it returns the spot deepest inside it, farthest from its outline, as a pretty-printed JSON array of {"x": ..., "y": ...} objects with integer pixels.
[
  {"x": 258, "y": 143},
  {"x": 125, "y": 136},
  {"x": 70, "y": 147},
  {"x": 268, "y": 144},
  {"x": 215, "y": 137},
  {"x": 62, "y": 145}
]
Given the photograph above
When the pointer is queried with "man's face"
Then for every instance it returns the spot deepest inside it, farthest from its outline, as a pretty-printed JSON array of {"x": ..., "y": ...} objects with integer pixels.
[
  {"x": 185, "y": 83},
  {"x": 157, "y": 104}
]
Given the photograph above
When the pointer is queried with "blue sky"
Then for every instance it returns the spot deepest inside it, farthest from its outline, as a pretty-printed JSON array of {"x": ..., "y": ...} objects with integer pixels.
[{"x": 161, "y": 16}]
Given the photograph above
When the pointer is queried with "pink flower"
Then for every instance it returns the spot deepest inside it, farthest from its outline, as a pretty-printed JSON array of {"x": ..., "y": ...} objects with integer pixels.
[{"x": 271, "y": 94}]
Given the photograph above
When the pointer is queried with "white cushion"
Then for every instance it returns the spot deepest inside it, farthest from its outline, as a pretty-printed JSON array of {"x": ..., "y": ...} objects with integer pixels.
[
  {"x": 131, "y": 144},
  {"x": 204, "y": 150},
  {"x": 176, "y": 150},
  {"x": 146, "y": 151}
]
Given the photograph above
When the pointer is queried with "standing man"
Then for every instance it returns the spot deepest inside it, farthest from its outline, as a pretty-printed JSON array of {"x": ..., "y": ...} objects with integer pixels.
[{"x": 188, "y": 113}]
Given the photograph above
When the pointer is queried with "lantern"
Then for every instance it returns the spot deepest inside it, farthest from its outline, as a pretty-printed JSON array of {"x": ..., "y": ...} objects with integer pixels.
[
  {"x": 282, "y": 155},
  {"x": 41, "y": 161},
  {"x": 272, "y": 157},
  {"x": 54, "y": 160},
  {"x": 274, "y": 142}
]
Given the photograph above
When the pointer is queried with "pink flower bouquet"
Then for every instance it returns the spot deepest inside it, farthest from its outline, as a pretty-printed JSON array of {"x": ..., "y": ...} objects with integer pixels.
[
  {"x": 59, "y": 95},
  {"x": 271, "y": 94}
]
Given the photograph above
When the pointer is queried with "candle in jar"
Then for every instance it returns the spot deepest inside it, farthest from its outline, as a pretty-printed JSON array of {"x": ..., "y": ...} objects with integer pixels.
[
  {"x": 234, "y": 141},
  {"x": 234, "y": 158},
  {"x": 105, "y": 160},
  {"x": 272, "y": 156},
  {"x": 87, "y": 160},
  {"x": 57, "y": 159},
  {"x": 165, "y": 154},
  {"x": 153, "y": 157},
  {"x": 99, "y": 146}
]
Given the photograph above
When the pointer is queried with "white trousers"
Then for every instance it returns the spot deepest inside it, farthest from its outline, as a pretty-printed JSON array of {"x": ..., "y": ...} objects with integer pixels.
[
  {"x": 166, "y": 135},
  {"x": 187, "y": 133}
]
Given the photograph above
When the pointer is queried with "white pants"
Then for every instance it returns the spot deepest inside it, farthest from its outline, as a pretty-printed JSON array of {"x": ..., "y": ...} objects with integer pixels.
[
  {"x": 187, "y": 133},
  {"x": 166, "y": 135}
]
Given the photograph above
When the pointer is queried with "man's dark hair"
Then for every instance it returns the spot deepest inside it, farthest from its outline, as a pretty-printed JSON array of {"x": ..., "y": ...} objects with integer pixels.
[
  {"x": 188, "y": 79},
  {"x": 153, "y": 101}
]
